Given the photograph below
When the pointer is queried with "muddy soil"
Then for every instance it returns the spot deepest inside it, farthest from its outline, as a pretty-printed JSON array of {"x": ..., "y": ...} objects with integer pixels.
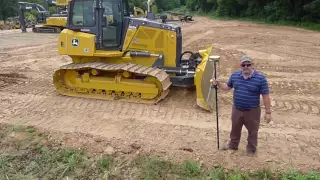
[{"x": 176, "y": 128}]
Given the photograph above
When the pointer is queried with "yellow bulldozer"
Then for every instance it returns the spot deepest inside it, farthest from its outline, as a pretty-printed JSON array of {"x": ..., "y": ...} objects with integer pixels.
[
  {"x": 128, "y": 59},
  {"x": 49, "y": 24}
]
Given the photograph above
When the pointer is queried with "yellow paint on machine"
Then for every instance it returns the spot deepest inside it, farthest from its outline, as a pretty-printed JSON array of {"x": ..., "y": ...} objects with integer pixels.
[
  {"x": 114, "y": 81},
  {"x": 56, "y": 21},
  {"x": 154, "y": 40}
]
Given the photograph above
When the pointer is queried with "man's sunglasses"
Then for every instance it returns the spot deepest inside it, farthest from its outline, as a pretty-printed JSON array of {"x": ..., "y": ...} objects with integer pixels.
[{"x": 245, "y": 65}]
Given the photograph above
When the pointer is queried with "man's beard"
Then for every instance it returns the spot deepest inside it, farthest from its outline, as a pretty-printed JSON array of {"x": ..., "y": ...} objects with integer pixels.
[{"x": 247, "y": 74}]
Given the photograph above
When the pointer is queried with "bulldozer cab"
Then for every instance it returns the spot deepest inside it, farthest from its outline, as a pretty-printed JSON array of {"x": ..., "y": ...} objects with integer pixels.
[{"x": 104, "y": 18}]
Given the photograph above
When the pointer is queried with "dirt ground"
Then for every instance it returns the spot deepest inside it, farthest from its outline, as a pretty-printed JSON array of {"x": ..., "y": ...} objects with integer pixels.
[{"x": 176, "y": 128}]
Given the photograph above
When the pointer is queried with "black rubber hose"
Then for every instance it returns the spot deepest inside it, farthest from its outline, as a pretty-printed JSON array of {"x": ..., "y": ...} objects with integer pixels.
[{"x": 190, "y": 52}]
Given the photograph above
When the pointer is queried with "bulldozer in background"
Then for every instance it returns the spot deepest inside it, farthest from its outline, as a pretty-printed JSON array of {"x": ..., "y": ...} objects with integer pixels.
[
  {"x": 49, "y": 24},
  {"x": 173, "y": 16},
  {"x": 130, "y": 59}
]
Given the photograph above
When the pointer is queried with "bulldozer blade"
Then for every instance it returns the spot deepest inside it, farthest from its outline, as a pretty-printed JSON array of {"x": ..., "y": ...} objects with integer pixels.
[{"x": 204, "y": 73}]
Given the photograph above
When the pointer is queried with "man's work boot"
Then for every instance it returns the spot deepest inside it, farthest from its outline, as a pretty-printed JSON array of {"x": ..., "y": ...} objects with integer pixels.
[
  {"x": 228, "y": 147},
  {"x": 251, "y": 153}
]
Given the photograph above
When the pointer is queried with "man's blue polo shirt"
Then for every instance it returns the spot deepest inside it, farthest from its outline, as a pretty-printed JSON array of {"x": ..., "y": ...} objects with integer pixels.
[{"x": 247, "y": 91}]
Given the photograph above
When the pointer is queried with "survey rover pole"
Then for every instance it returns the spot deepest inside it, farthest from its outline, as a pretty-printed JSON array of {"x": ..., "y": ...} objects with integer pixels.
[
  {"x": 216, "y": 91},
  {"x": 215, "y": 60}
]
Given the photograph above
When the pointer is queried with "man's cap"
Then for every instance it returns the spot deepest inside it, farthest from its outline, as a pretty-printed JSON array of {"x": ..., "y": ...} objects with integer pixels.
[{"x": 245, "y": 59}]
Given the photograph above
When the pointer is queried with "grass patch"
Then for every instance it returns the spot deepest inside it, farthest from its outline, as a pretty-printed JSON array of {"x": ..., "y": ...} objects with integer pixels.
[
  {"x": 263, "y": 174},
  {"x": 293, "y": 174},
  {"x": 153, "y": 168},
  {"x": 105, "y": 163},
  {"x": 191, "y": 168},
  {"x": 35, "y": 157},
  {"x": 218, "y": 173}
]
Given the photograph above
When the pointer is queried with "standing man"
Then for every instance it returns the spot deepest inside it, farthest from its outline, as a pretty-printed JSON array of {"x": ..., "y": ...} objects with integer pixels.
[{"x": 248, "y": 85}]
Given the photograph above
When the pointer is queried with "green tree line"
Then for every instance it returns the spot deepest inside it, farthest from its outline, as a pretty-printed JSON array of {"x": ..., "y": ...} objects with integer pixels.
[
  {"x": 9, "y": 8},
  {"x": 270, "y": 10}
]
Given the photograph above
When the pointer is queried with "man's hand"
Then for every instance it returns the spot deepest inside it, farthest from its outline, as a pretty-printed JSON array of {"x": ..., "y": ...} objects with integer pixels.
[
  {"x": 216, "y": 82},
  {"x": 267, "y": 104},
  {"x": 267, "y": 118}
]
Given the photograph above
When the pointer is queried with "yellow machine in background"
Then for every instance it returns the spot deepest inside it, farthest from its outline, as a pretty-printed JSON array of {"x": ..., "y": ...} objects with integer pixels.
[
  {"x": 57, "y": 22},
  {"x": 10, "y": 23},
  {"x": 129, "y": 59},
  {"x": 52, "y": 24}
]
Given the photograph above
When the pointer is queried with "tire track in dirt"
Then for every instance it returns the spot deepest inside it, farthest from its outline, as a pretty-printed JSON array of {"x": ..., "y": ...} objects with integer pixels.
[
  {"x": 291, "y": 69},
  {"x": 33, "y": 48},
  {"x": 308, "y": 107},
  {"x": 304, "y": 105},
  {"x": 35, "y": 87},
  {"x": 28, "y": 104},
  {"x": 23, "y": 40},
  {"x": 174, "y": 110},
  {"x": 35, "y": 90},
  {"x": 182, "y": 108},
  {"x": 27, "y": 57},
  {"x": 11, "y": 79},
  {"x": 198, "y": 36},
  {"x": 294, "y": 87},
  {"x": 303, "y": 76},
  {"x": 304, "y": 113}
]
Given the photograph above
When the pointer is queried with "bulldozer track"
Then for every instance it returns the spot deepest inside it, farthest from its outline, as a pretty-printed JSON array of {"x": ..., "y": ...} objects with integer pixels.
[{"x": 159, "y": 74}]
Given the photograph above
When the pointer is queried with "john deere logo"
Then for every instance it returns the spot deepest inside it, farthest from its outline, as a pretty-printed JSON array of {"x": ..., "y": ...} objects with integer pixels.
[{"x": 75, "y": 42}]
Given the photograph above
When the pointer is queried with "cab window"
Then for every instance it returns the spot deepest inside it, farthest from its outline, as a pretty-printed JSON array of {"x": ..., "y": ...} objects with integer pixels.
[{"x": 83, "y": 13}]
